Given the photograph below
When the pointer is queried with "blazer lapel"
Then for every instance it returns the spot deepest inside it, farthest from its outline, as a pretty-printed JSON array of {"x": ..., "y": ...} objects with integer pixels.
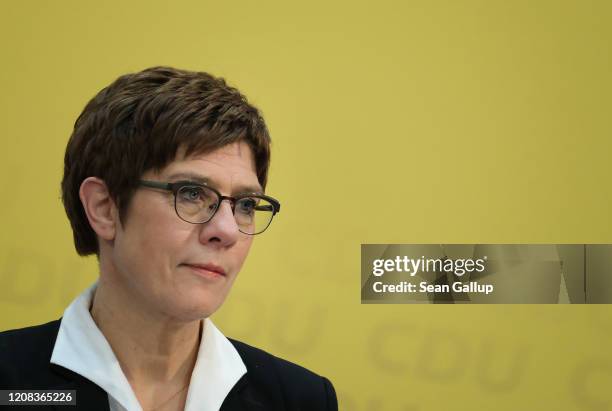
[
  {"x": 260, "y": 388},
  {"x": 89, "y": 397},
  {"x": 243, "y": 397}
]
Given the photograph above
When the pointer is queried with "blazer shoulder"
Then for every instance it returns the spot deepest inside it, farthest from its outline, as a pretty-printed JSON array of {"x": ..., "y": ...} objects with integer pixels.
[
  {"x": 301, "y": 388},
  {"x": 25, "y": 352}
]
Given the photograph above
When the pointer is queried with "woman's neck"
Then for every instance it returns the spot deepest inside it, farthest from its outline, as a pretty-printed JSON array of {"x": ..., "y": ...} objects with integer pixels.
[{"x": 157, "y": 354}]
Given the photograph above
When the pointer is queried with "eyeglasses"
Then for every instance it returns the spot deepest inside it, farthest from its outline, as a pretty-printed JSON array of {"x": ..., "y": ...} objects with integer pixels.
[{"x": 197, "y": 204}]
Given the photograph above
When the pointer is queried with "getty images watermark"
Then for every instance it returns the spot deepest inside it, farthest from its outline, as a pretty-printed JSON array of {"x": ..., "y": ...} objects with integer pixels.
[
  {"x": 412, "y": 266},
  {"x": 486, "y": 273}
]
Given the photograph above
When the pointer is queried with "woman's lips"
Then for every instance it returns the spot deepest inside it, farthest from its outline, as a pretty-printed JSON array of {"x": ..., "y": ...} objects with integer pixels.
[{"x": 207, "y": 270}]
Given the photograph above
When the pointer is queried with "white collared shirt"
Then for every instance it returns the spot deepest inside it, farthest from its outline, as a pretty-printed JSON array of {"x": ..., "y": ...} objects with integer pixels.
[{"x": 82, "y": 348}]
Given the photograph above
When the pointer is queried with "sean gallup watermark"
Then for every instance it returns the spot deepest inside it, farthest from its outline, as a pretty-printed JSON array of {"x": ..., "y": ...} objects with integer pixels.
[{"x": 425, "y": 287}]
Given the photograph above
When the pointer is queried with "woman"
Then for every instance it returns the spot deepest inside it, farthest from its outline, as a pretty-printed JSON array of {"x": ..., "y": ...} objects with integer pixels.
[{"x": 164, "y": 180}]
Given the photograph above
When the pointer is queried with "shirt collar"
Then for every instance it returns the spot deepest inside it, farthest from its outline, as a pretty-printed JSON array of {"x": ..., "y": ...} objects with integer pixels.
[{"x": 82, "y": 348}]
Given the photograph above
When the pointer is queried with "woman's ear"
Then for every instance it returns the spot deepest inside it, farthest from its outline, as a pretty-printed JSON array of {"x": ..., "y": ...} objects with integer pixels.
[{"x": 99, "y": 207}]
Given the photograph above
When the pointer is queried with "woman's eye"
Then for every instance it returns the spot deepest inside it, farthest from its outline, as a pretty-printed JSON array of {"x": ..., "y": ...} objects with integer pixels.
[
  {"x": 191, "y": 194},
  {"x": 247, "y": 205}
]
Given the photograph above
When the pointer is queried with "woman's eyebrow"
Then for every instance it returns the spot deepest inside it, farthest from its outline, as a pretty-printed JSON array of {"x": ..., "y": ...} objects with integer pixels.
[
  {"x": 200, "y": 179},
  {"x": 196, "y": 178}
]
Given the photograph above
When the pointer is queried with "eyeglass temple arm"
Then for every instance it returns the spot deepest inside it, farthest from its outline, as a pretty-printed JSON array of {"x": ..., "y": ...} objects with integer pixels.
[{"x": 156, "y": 184}]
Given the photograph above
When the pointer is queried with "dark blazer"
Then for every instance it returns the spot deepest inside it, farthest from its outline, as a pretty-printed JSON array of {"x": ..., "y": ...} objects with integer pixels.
[{"x": 270, "y": 383}]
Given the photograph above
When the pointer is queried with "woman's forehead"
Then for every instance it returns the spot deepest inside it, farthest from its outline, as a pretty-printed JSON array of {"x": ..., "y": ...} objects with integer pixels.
[
  {"x": 231, "y": 166},
  {"x": 238, "y": 149}
]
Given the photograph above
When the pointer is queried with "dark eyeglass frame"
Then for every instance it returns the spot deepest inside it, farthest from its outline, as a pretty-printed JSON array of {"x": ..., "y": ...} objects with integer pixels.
[{"x": 176, "y": 186}]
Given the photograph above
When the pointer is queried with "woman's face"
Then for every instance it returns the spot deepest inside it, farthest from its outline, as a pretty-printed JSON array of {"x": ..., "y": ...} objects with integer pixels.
[{"x": 154, "y": 254}]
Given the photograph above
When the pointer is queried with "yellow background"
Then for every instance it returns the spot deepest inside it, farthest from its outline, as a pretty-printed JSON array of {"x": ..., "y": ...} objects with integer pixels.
[{"x": 392, "y": 122}]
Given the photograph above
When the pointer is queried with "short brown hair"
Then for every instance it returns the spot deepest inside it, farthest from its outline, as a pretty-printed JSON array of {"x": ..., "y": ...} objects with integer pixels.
[{"x": 139, "y": 122}]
